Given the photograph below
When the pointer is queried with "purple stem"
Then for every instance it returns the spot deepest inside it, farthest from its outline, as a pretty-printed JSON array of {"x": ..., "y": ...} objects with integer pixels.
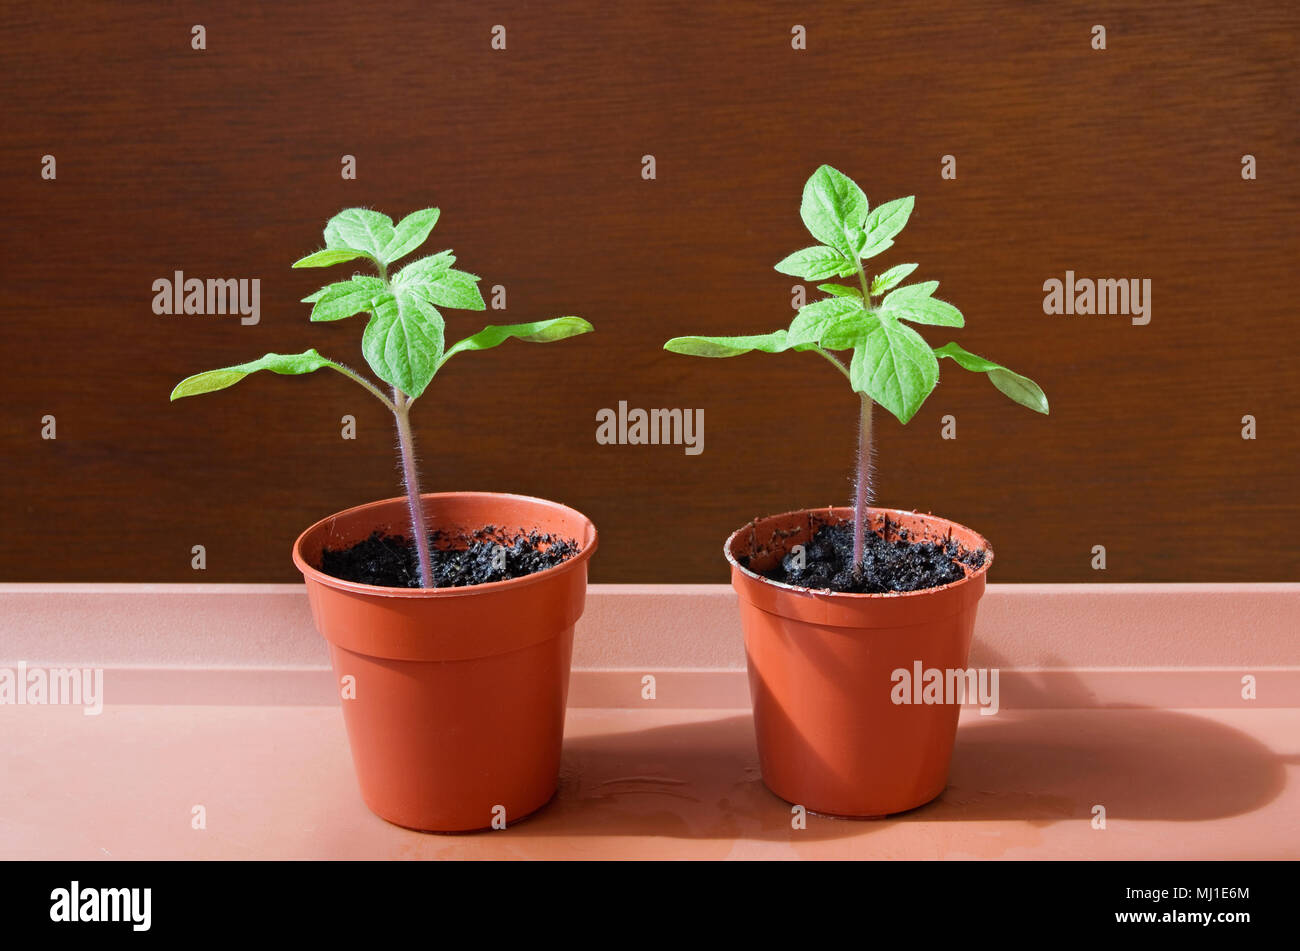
[
  {"x": 863, "y": 489},
  {"x": 419, "y": 527}
]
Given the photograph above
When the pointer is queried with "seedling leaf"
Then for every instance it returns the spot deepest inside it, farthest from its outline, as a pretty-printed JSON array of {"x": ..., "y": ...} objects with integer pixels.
[
  {"x": 403, "y": 341},
  {"x": 540, "y": 331},
  {"x": 360, "y": 229},
  {"x": 330, "y": 256},
  {"x": 815, "y": 319},
  {"x": 895, "y": 367},
  {"x": 446, "y": 287},
  {"x": 848, "y": 332},
  {"x": 410, "y": 233},
  {"x": 883, "y": 225},
  {"x": 774, "y": 342},
  {"x": 289, "y": 364},
  {"x": 1019, "y": 388},
  {"x": 346, "y": 298},
  {"x": 425, "y": 269},
  {"x": 890, "y": 279},
  {"x": 833, "y": 209},
  {"x": 915, "y": 303},
  {"x": 816, "y": 264},
  {"x": 840, "y": 290}
]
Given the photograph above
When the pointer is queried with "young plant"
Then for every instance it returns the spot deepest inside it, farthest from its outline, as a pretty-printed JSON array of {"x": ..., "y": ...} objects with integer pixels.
[
  {"x": 890, "y": 363},
  {"x": 404, "y": 339}
]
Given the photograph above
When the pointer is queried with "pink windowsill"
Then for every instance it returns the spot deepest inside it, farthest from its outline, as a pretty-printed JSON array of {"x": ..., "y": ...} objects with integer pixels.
[
  {"x": 277, "y": 782},
  {"x": 1128, "y": 697}
]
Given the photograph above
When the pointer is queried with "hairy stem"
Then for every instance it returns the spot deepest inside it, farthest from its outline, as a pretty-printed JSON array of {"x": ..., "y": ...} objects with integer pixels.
[
  {"x": 419, "y": 527},
  {"x": 866, "y": 287},
  {"x": 861, "y": 495},
  {"x": 401, "y": 407},
  {"x": 358, "y": 378},
  {"x": 838, "y": 365},
  {"x": 862, "y": 489}
]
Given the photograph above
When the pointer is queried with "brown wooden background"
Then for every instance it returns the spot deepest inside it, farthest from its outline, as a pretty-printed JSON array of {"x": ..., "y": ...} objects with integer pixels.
[{"x": 225, "y": 163}]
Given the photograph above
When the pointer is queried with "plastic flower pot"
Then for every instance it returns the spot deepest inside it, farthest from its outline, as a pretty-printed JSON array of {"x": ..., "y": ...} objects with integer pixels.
[
  {"x": 830, "y": 736},
  {"x": 458, "y": 693}
]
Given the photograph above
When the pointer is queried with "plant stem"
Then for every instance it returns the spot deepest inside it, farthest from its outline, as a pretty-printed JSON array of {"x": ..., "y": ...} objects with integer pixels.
[
  {"x": 838, "y": 365},
  {"x": 401, "y": 407},
  {"x": 866, "y": 288},
  {"x": 862, "y": 489},
  {"x": 402, "y": 412},
  {"x": 358, "y": 378}
]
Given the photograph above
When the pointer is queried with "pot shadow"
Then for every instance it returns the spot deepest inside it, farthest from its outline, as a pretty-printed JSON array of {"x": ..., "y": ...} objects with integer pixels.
[
  {"x": 1059, "y": 754},
  {"x": 700, "y": 779}
]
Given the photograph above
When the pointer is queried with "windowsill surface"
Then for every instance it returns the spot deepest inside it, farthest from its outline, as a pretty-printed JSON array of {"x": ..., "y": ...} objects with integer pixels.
[
  {"x": 277, "y": 782},
  {"x": 1128, "y": 697}
]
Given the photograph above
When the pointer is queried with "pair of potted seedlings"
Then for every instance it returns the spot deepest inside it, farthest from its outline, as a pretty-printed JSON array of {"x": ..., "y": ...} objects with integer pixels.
[{"x": 450, "y": 616}]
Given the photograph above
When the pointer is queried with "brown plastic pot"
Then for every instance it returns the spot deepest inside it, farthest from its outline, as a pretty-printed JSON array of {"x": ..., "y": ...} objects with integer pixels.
[
  {"x": 459, "y": 692},
  {"x": 830, "y": 737}
]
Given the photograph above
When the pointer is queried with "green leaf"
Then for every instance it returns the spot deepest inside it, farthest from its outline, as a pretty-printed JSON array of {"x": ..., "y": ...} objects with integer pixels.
[
  {"x": 816, "y": 264},
  {"x": 403, "y": 341},
  {"x": 891, "y": 278},
  {"x": 425, "y": 269},
  {"x": 346, "y": 298},
  {"x": 289, "y": 364},
  {"x": 883, "y": 225},
  {"x": 774, "y": 342},
  {"x": 912, "y": 292},
  {"x": 815, "y": 319},
  {"x": 833, "y": 208},
  {"x": 539, "y": 331},
  {"x": 447, "y": 288},
  {"x": 360, "y": 229},
  {"x": 313, "y": 298},
  {"x": 330, "y": 256},
  {"x": 840, "y": 290},
  {"x": 849, "y": 332},
  {"x": 914, "y": 303},
  {"x": 1019, "y": 388},
  {"x": 895, "y": 367},
  {"x": 931, "y": 311},
  {"x": 410, "y": 233},
  {"x": 868, "y": 250}
]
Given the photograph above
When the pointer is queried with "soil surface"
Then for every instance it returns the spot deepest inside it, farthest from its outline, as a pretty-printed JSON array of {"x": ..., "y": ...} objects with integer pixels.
[
  {"x": 458, "y": 559},
  {"x": 891, "y": 561}
]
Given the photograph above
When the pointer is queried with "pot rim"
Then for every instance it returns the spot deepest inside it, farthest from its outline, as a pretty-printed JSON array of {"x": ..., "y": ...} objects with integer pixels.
[
  {"x": 835, "y": 510},
  {"x": 312, "y": 573}
]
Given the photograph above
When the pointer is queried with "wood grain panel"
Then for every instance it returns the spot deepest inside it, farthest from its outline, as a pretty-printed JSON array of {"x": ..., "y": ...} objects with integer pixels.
[{"x": 225, "y": 163}]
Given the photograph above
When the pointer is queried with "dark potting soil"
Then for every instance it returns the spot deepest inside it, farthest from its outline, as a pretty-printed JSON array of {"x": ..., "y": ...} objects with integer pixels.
[
  {"x": 458, "y": 559},
  {"x": 891, "y": 561}
]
